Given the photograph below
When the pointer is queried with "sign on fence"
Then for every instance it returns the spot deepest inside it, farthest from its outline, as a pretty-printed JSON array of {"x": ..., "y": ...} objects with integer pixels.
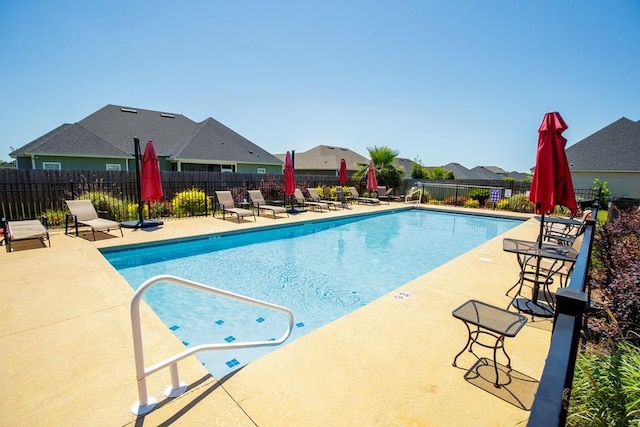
[{"x": 494, "y": 195}]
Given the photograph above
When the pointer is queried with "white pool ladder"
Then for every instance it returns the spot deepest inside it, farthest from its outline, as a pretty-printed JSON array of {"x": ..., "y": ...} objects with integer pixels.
[
  {"x": 145, "y": 403},
  {"x": 409, "y": 197}
]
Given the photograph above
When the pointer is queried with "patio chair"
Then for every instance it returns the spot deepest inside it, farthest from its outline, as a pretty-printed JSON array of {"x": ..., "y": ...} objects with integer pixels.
[
  {"x": 315, "y": 197},
  {"x": 384, "y": 193},
  {"x": 564, "y": 231},
  {"x": 365, "y": 200},
  {"x": 300, "y": 200},
  {"x": 30, "y": 229},
  {"x": 83, "y": 213},
  {"x": 226, "y": 203},
  {"x": 257, "y": 199}
]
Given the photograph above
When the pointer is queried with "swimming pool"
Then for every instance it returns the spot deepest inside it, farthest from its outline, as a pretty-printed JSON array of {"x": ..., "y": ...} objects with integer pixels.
[{"x": 320, "y": 270}]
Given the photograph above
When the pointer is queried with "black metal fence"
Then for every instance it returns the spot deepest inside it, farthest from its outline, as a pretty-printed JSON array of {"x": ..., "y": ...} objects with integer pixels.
[
  {"x": 551, "y": 402},
  {"x": 28, "y": 194}
]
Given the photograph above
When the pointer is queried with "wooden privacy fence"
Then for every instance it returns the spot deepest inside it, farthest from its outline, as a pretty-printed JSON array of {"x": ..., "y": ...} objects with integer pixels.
[{"x": 28, "y": 194}]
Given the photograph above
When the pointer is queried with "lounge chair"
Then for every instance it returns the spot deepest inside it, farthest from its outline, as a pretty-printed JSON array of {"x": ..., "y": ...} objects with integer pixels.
[
  {"x": 366, "y": 200},
  {"x": 315, "y": 197},
  {"x": 384, "y": 193},
  {"x": 30, "y": 229},
  {"x": 301, "y": 201},
  {"x": 257, "y": 199},
  {"x": 226, "y": 203},
  {"x": 83, "y": 213}
]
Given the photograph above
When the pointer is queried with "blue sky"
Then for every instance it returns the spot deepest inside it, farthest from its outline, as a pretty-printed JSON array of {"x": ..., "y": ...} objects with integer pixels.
[{"x": 442, "y": 81}]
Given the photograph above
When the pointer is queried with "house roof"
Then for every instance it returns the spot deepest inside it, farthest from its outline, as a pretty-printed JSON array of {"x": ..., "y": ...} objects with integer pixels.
[
  {"x": 109, "y": 132},
  {"x": 459, "y": 171},
  {"x": 612, "y": 148},
  {"x": 482, "y": 172},
  {"x": 405, "y": 164},
  {"x": 326, "y": 157},
  {"x": 215, "y": 141},
  {"x": 69, "y": 140}
]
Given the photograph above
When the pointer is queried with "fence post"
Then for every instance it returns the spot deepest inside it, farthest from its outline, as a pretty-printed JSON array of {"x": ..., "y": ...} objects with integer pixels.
[{"x": 206, "y": 199}]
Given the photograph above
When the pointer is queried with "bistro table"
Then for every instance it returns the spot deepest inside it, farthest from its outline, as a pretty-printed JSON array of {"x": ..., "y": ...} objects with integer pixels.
[
  {"x": 525, "y": 250},
  {"x": 490, "y": 322}
]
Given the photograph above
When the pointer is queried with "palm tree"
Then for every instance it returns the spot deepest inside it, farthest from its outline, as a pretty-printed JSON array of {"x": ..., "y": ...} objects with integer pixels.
[{"x": 387, "y": 172}]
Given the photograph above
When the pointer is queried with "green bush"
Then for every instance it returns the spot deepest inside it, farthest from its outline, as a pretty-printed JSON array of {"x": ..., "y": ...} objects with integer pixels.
[
  {"x": 105, "y": 202},
  {"x": 605, "y": 389},
  {"x": 190, "y": 202},
  {"x": 516, "y": 203},
  {"x": 455, "y": 201},
  {"x": 471, "y": 203},
  {"x": 480, "y": 194},
  {"x": 55, "y": 218}
]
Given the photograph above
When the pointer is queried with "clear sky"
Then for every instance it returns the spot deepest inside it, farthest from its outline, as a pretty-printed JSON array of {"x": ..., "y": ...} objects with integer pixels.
[{"x": 442, "y": 81}]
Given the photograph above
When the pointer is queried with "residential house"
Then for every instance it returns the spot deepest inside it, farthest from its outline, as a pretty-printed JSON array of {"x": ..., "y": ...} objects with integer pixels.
[
  {"x": 612, "y": 154},
  {"x": 325, "y": 160},
  {"x": 104, "y": 141}
]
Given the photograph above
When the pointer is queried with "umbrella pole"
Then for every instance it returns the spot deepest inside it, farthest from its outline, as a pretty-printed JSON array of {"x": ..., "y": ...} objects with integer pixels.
[{"x": 136, "y": 148}]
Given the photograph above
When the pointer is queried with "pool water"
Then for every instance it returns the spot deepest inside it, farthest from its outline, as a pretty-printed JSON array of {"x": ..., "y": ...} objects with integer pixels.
[{"x": 319, "y": 270}]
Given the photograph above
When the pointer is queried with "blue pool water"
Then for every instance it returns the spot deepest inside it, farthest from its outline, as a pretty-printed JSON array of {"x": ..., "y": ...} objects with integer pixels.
[{"x": 319, "y": 270}]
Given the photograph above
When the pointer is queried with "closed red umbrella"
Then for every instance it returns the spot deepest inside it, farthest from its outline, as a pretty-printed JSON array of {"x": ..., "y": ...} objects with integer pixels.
[
  {"x": 551, "y": 186},
  {"x": 151, "y": 184},
  {"x": 289, "y": 177},
  {"x": 552, "y": 183},
  {"x": 372, "y": 180},
  {"x": 343, "y": 171}
]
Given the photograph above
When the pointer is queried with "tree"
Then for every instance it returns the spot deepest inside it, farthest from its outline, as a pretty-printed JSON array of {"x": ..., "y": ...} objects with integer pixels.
[
  {"x": 417, "y": 170},
  {"x": 439, "y": 173},
  {"x": 387, "y": 172}
]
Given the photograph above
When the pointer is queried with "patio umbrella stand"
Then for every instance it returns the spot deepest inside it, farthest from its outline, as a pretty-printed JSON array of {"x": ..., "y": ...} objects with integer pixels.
[
  {"x": 148, "y": 184},
  {"x": 290, "y": 183},
  {"x": 551, "y": 186}
]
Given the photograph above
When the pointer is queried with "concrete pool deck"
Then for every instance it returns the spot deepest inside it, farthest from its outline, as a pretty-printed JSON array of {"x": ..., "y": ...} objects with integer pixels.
[{"x": 68, "y": 358}]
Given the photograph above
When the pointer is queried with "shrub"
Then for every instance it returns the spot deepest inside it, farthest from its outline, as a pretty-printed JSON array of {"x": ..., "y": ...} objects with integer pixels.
[
  {"x": 105, "y": 202},
  {"x": 605, "y": 388},
  {"x": 480, "y": 194},
  {"x": 455, "y": 201},
  {"x": 55, "y": 218},
  {"x": 190, "y": 202},
  {"x": 472, "y": 203},
  {"x": 516, "y": 203},
  {"x": 615, "y": 274},
  {"x": 161, "y": 209}
]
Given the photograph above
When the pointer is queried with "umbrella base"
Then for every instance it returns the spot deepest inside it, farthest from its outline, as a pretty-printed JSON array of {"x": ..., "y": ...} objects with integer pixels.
[
  {"x": 537, "y": 308},
  {"x": 296, "y": 210},
  {"x": 147, "y": 223}
]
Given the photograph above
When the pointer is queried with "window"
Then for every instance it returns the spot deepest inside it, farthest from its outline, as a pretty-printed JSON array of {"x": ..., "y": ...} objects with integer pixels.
[
  {"x": 52, "y": 166},
  {"x": 113, "y": 167},
  {"x": 262, "y": 170},
  {"x": 226, "y": 168}
]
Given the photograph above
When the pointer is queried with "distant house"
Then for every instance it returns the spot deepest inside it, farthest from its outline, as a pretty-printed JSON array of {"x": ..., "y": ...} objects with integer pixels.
[
  {"x": 325, "y": 160},
  {"x": 104, "y": 141},
  {"x": 406, "y": 165},
  {"x": 612, "y": 154}
]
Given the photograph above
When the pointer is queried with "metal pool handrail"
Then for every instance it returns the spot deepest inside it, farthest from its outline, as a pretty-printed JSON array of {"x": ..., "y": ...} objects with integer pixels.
[{"x": 146, "y": 404}]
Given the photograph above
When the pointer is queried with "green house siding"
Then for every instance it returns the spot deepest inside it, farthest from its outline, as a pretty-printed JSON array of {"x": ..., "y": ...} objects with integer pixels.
[
  {"x": 253, "y": 168},
  {"x": 69, "y": 163}
]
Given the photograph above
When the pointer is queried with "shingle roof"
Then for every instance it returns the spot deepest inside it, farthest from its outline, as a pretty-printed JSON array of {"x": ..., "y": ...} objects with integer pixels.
[
  {"x": 459, "y": 171},
  {"x": 109, "y": 132},
  {"x": 326, "y": 157},
  {"x": 215, "y": 141},
  {"x": 119, "y": 125},
  {"x": 69, "y": 140},
  {"x": 615, "y": 147}
]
